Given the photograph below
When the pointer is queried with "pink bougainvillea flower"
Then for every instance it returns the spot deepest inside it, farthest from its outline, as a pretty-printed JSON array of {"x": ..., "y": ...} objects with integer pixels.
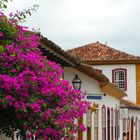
[
  {"x": 30, "y": 84},
  {"x": 1, "y": 34},
  {"x": 82, "y": 127},
  {"x": 11, "y": 14}
]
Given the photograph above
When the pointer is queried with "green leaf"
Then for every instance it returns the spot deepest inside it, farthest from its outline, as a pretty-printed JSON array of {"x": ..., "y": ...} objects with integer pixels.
[{"x": 1, "y": 49}]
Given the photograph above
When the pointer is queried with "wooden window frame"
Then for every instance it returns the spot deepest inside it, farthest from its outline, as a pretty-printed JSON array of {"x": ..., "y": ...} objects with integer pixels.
[
  {"x": 117, "y": 126},
  {"x": 132, "y": 128},
  {"x": 103, "y": 123},
  {"x": 128, "y": 128},
  {"x": 136, "y": 128},
  {"x": 112, "y": 124},
  {"x": 125, "y": 77},
  {"x": 108, "y": 124},
  {"x": 124, "y": 128}
]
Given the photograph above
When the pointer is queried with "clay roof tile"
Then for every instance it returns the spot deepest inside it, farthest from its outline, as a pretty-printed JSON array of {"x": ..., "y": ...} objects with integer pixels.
[{"x": 97, "y": 51}]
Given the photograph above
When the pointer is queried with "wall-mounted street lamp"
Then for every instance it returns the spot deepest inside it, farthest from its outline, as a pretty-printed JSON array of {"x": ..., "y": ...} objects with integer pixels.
[{"x": 76, "y": 82}]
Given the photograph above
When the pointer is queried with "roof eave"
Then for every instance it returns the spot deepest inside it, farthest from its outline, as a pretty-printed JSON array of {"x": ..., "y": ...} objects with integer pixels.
[
  {"x": 92, "y": 73},
  {"x": 47, "y": 44},
  {"x": 114, "y": 62},
  {"x": 129, "y": 105},
  {"x": 112, "y": 90}
]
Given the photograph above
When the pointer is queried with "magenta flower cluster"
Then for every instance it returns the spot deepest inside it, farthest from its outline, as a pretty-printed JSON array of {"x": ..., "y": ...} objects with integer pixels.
[{"x": 45, "y": 105}]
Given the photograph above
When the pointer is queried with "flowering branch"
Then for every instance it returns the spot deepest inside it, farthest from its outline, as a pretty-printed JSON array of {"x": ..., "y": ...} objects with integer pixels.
[{"x": 32, "y": 93}]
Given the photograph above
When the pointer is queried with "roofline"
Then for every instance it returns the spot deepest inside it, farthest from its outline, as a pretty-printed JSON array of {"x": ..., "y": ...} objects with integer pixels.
[
  {"x": 51, "y": 45},
  {"x": 114, "y": 62},
  {"x": 105, "y": 85},
  {"x": 129, "y": 105},
  {"x": 86, "y": 69},
  {"x": 126, "y": 102}
]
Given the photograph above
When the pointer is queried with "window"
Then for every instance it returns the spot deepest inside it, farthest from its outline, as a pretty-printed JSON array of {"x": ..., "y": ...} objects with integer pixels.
[
  {"x": 119, "y": 78},
  {"x": 112, "y": 123},
  {"x": 103, "y": 123},
  {"x": 132, "y": 127},
  {"x": 89, "y": 124},
  {"x": 128, "y": 127},
  {"x": 117, "y": 127},
  {"x": 136, "y": 128},
  {"x": 108, "y": 123},
  {"x": 124, "y": 124}
]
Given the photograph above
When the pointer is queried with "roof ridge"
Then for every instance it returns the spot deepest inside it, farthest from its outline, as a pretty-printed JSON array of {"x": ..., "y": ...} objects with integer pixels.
[
  {"x": 99, "y": 51},
  {"x": 120, "y": 51},
  {"x": 97, "y": 42}
]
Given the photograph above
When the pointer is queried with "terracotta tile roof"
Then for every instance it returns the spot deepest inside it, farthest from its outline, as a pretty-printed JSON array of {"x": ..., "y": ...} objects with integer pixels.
[
  {"x": 47, "y": 46},
  {"x": 100, "y": 52},
  {"x": 88, "y": 70},
  {"x": 84, "y": 68}
]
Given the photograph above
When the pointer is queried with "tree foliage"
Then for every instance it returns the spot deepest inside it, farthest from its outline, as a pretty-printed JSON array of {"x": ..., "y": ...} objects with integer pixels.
[
  {"x": 20, "y": 16},
  {"x": 3, "y": 4},
  {"x": 34, "y": 100}
]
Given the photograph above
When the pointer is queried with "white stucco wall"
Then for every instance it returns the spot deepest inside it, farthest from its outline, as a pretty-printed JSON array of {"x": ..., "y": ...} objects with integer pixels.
[
  {"x": 131, "y": 77},
  {"x": 88, "y": 85},
  {"x": 91, "y": 86},
  {"x": 110, "y": 102}
]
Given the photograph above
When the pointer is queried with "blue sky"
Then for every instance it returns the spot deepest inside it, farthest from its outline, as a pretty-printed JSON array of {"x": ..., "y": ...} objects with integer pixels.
[{"x": 73, "y": 23}]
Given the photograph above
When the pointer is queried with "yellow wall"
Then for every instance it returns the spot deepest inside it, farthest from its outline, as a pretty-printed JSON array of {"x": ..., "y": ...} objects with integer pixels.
[{"x": 138, "y": 84}]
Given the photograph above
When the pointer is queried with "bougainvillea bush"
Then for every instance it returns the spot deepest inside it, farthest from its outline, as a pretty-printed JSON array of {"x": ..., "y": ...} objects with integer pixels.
[{"x": 34, "y": 100}]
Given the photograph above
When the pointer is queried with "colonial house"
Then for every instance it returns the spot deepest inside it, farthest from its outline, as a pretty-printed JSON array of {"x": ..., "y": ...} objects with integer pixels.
[{"x": 123, "y": 70}]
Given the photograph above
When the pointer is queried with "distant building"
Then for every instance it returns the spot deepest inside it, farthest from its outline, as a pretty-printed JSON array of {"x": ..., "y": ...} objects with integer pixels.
[{"x": 123, "y": 70}]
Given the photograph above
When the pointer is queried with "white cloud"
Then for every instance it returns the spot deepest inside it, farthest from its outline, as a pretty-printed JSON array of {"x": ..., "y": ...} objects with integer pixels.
[{"x": 72, "y": 23}]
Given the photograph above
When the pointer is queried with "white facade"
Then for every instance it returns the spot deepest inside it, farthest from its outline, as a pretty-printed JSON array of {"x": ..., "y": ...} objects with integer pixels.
[
  {"x": 89, "y": 85},
  {"x": 131, "y": 77},
  {"x": 92, "y": 87},
  {"x": 109, "y": 102}
]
